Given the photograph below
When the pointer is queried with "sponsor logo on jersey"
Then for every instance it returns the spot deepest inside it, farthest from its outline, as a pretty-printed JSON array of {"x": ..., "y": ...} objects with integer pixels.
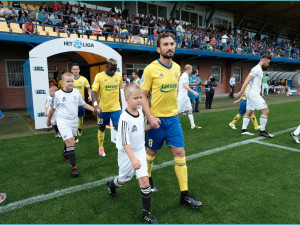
[
  {"x": 38, "y": 68},
  {"x": 134, "y": 128},
  {"x": 176, "y": 75},
  {"x": 77, "y": 87},
  {"x": 40, "y": 92},
  {"x": 116, "y": 80},
  {"x": 168, "y": 87},
  {"x": 111, "y": 87}
]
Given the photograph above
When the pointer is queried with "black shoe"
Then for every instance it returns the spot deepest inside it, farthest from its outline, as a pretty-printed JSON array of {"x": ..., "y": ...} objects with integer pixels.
[
  {"x": 197, "y": 111},
  {"x": 190, "y": 201},
  {"x": 112, "y": 191},
  {"x": 265, "y": 134},
  {"x": 153, "y": 187},
  {"x": 149, "y": 217},
  {"x": 74, "y": 172},
  {"x": 245, "y": 132}
]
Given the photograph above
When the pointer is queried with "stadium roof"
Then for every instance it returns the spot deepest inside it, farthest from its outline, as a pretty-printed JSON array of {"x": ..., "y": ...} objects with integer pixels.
[{"x": 276, "y": 17}]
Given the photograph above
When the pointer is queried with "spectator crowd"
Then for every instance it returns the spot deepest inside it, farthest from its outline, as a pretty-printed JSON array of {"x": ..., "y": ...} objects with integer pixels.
[{"x": 80, "y": 20}]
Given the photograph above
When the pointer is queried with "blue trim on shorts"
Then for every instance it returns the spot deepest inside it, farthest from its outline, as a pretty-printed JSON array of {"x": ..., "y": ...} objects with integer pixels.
[
  {"x": 104, "y": 118},
  {"x": 170, "y": 131}
]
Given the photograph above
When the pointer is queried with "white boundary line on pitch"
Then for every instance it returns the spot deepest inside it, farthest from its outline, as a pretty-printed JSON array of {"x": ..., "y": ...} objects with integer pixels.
[
  {"x": 277, "y": 146},
  {"x": 40, "y": 198}
]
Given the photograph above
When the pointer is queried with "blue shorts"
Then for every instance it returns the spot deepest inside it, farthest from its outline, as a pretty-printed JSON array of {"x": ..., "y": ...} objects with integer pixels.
[
  {"x": 104, "y": 118},
  {"x": 169, "y": 130},
  {"x": 81, "y": 111},
  {"x": 243, "y": 107}
]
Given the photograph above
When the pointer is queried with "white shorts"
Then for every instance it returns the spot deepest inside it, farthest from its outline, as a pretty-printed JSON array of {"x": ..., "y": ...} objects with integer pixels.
[
  {"x": 126, "y": 171},
  {"x": 67, "y": 131},
  {"x": 265, "y": 86},
  {"x": 255, "y": 101},
  {"x": 184, "y": 104}
]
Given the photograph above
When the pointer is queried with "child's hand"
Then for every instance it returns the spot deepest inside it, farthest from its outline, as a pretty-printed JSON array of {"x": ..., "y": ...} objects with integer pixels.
[
  {"x": 236, "y": 101},
  {"x": 135, "y": 163}
]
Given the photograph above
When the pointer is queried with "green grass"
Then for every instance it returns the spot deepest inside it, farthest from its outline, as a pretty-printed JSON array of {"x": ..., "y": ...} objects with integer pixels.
[{"x": 252, "y": 183}]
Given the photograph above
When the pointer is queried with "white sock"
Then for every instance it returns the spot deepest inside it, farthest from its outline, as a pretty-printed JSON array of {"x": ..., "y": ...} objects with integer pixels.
[
  {"x": 263, "y": 122},
  {"x": 246, "y": 120},
  {"x": 191, "y": 118},
  {"x": 297, "y": 131}
]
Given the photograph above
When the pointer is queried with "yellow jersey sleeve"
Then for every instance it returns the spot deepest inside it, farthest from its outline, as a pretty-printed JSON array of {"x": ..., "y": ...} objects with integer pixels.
[
  {"x": 96, "y": 84},
  {"x": 146, "y": 81}
]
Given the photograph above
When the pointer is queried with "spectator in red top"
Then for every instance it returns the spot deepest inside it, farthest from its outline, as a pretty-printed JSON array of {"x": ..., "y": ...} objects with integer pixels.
[
  {"x": 29, "y": 28},
  {"x": 56, "y": 6}
]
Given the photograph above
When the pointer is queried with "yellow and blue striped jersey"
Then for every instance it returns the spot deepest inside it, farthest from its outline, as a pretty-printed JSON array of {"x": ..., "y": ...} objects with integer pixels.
[
  {"x": 162, "y": 81},
  {"x": 109, "y": 87},
  {"x": 80, "y": 84}
]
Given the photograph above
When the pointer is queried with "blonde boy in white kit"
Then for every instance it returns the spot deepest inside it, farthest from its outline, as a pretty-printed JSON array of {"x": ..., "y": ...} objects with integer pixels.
[
  {"x": 65, "y": 103},
  {"x": 131, "y": 149},
  {"x": 184, "y": 102}
]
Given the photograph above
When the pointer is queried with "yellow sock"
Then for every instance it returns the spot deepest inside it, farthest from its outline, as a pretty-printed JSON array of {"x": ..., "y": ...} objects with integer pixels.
[
  {"x": 150, "y": 160},
  {"x": 181, "y": 172},
  {"x": 101, "y": 136},
  {"x": 254, "y": 121},
  {"x": 80, "y": 122},
  {"x": 236, "y": 118}
]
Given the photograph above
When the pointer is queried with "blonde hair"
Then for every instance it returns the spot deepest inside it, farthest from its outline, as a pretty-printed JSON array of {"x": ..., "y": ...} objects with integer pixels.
[
  {"x": 130, "y": 88},
  {"x": 53, "y": 88},
  {"x": 112, "y": 62},
  {"x": 187, "y": 67},
  {"x": 66, "y": 74}
]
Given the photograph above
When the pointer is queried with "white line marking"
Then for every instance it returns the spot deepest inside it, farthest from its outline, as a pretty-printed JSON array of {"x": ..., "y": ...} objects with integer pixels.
[
  {"x": 58, "y": 193},
  {"x": 277, "y": 146}
]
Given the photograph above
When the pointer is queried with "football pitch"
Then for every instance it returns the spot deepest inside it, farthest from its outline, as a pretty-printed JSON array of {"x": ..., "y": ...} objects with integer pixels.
[{"x": 239, "y": 179}]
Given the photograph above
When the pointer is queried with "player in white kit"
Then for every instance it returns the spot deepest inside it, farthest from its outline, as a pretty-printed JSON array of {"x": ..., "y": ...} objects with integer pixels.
[
  {"x": 254, "y": 99},
  {"x": 65, "y": 103},
  {"x": 52, "y": 90},
  {"x": 131, "y": 149},
  {"x": 183, "y": 101}
]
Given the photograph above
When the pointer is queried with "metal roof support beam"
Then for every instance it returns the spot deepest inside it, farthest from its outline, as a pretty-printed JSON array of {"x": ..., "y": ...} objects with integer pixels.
[
  {"x": 280, "y": 33},
  {"x": 238, "y": 23},
  {"x": 295, "y": 38},
  {"x": 261, "y": 29},
  {"x": 210, "y": 17},
  {"x": 173, "y": 12}
]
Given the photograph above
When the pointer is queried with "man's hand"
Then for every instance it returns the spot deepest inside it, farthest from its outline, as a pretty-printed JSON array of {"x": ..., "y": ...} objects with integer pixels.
[
  {"x": 48, "y": 123},
  {"x": 135, "y": 163},
  {"x": 97, "y": 109},
  {"x": 154, "y": 122}
]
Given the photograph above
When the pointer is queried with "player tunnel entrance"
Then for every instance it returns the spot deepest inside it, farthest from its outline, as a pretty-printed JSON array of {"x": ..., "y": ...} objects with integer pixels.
[{"x": 36, "y": 70}]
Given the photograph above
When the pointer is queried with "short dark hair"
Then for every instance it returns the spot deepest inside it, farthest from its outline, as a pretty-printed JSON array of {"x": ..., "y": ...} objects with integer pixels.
[
  {"x": 164, "y": 35},
  {"x": 266, "y": 56},
  {"x": 75, "y": 64},
  {"x": 136, "y": 72}
]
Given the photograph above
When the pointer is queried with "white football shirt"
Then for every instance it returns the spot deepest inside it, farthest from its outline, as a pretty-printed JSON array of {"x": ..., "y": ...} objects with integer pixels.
[
  {"x": 184, "y": 78},
  {"x": 131, "y": 131},
  {"x": 66, "y": 105},
  {"x": 255, "y": 83}
]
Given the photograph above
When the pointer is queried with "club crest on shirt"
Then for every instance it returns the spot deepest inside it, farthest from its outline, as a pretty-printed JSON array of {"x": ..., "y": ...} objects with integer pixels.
[
  {"x": 75, "y": 98},
  {"x": 80, "y": 82},
  {"x": 116, "y": 80},
  {"x": 161, "y": 75},
  {"x": 105, "y": 80},
  {"x": 63, "y": 99},
  {"x": 134, "y": 129}
]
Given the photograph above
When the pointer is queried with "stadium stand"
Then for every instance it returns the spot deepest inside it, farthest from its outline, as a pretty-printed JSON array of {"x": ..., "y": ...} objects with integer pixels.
[{"x": 189, "y": 37}]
